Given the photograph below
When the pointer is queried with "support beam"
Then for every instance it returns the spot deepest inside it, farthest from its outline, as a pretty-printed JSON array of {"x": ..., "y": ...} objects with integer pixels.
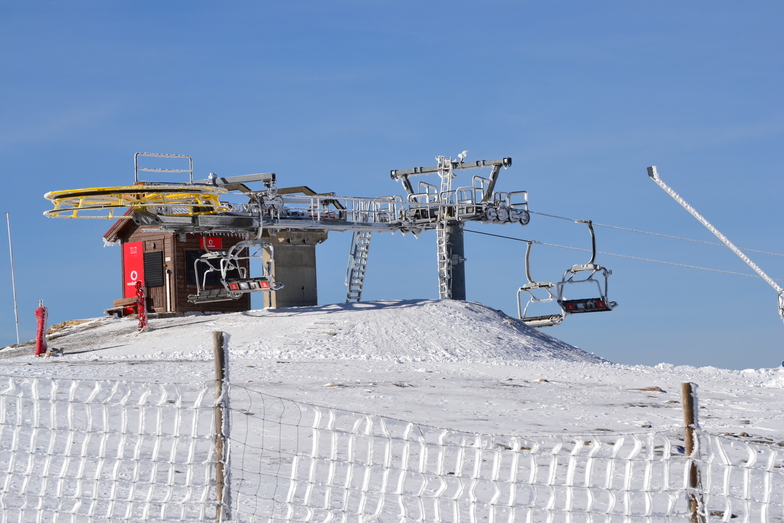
[
  {"x": 267, "y": 178},
  {"x": 404, "y": 174}
]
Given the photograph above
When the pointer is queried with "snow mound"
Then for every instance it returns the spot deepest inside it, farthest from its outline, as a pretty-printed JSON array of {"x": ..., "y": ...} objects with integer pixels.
[{"x": 431, "y": 331}]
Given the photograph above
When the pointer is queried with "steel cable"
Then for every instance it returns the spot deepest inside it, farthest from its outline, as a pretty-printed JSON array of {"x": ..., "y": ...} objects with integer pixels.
[
  {"x": 620, "y": 255},
  {"x": 653, "y": 233}
]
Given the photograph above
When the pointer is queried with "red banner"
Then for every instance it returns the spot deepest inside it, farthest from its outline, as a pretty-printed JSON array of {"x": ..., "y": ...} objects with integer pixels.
[
  {"x": 133, "y": 267},
  {"x": 211, "y": 242}
]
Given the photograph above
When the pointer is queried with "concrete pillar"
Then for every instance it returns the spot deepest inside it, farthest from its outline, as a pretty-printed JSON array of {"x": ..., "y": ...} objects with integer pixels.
[{"x": 295, "y": 267}]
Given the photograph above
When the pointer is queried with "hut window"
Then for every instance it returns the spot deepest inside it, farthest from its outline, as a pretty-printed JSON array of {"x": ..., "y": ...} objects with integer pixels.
[{"x": 153, "y": 269}]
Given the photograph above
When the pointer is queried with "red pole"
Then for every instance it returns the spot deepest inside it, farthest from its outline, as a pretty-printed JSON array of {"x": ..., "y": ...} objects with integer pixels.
[
  {"x": 141, "y": 306},
  {"x": 41, "y": 314}
]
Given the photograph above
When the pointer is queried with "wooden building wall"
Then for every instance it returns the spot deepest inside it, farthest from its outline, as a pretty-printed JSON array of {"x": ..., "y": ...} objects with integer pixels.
[{"x": 177, "y": 251}]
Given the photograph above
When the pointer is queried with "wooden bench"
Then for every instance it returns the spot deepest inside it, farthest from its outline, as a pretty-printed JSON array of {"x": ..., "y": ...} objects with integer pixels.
[{"x": 120, "y": 306}]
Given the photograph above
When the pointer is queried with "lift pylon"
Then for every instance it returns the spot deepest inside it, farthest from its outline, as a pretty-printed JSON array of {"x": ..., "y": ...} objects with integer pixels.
[{"x": 447, "y": 209}]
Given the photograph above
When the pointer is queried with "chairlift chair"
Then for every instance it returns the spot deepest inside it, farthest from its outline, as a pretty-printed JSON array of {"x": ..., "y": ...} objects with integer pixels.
[
  {"x": 570, "y": 276},
  {"x": 546, "y": 320},
  {"x": 225, "y": 262}
]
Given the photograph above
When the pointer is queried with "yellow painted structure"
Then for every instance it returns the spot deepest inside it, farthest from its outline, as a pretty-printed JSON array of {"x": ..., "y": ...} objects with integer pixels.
[{"x": 104, "y": 202}]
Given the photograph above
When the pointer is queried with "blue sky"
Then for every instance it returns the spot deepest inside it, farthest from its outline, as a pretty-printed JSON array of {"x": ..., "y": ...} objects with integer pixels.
[{"x": 583, "y": 96}]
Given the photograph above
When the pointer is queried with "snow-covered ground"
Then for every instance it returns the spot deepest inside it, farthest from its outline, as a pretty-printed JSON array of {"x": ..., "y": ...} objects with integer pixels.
[{"x": 450, "y": 364}]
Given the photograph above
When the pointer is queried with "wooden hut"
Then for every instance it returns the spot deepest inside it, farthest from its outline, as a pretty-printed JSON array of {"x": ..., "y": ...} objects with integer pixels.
[{"x": 164, "y": 263}]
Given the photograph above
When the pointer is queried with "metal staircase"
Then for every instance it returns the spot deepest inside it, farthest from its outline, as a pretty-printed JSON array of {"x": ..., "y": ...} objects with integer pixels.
[{"x": 357, "y": 263}]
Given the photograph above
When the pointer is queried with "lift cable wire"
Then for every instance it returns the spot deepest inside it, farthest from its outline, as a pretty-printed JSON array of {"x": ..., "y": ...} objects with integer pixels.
[
  {"x": 619, "y": 255},
  {"x": 653, "y": 233}
]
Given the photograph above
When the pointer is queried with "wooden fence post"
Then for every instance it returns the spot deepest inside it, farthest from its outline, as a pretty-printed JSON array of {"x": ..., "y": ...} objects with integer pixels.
[
  {"x": 220, "y": 436},
  {"x": 690, "y": 423}
]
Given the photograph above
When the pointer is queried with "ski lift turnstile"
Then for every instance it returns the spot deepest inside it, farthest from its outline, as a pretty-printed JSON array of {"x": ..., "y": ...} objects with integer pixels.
[
  {"x": 545, "y": 320},
  {"x": 571, "y": 276}
]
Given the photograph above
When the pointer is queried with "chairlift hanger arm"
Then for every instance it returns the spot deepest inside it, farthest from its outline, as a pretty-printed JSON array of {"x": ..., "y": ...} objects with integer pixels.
[
  {"x": 591, "y": 265},
  {"x": 593, "y": 241},
  {"x": 528, "y": 262},
  {"x": 654, "y": 175}
]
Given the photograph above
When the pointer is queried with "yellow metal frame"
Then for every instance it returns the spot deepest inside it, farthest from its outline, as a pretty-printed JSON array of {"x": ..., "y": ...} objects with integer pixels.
[{"x": 171, "y": 200}]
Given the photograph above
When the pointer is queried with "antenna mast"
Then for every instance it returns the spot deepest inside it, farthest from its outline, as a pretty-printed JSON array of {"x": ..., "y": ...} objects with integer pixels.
[{"x": 13, "y": 277}]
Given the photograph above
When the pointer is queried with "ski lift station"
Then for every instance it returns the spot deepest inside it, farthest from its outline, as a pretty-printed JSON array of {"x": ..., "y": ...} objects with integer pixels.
[
  {"x": 173, "y": 271},
  {"x": 206, "y": 245}
]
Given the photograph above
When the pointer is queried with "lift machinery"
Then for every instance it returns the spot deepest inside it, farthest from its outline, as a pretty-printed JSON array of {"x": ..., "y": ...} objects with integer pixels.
[{"x": 197, "y": 207}]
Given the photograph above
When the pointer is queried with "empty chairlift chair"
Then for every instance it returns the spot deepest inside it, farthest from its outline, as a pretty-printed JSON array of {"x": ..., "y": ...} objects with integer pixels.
[
  {"x": 234, "y": 278},
  {"x": 576, "y": 276},
  {"x": 544, "y": 320}
]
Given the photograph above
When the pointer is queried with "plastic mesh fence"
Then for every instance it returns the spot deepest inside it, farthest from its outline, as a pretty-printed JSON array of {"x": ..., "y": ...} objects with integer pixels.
[
  {"x": 741, "y": 479},
  {"x": 298, "y": 462},
  {"x": 75, "y": 450}
]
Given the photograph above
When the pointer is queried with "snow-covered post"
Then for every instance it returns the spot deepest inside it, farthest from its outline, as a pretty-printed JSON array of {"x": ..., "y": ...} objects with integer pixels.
[
  {"x": 688, "y": 400},
  {"x": 141, "y": 306},
  {"x": 223, "y": 512},
  {"x": 41, "y": 314}
]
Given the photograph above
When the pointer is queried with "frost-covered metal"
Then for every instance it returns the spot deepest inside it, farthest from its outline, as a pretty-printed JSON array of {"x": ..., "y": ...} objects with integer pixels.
[
  {"x": 357, "y": 263},
  {"x": 591, "y": 278},
  {"x": 194, "y": 207},
  {"x": 654, "y": 175},
  {"x": 81, "y": 450},
  {"x": 87, "y": 450}
]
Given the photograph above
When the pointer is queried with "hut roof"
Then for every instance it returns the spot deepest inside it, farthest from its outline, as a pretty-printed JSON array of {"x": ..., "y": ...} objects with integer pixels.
[{"x": 112, "y": 236}]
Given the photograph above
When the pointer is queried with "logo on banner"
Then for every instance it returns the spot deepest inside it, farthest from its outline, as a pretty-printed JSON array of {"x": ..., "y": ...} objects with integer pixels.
[{"x": 211, "y": 242}]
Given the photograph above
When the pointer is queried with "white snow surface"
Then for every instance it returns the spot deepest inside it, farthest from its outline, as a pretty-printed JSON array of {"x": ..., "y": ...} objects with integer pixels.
[{"x": 450, "y": 364}]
